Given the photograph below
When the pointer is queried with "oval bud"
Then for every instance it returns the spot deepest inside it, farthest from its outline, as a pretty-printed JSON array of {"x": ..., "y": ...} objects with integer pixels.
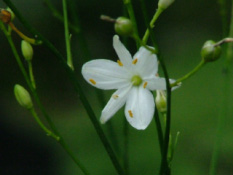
[
  {"x": 210, "y": 52},
  {"x": 23, "y": 97},
  {"x": 161, "y": 101},
  {"x": 27, "y": 50},
  {"x": 12, "y": 13},
  {"x": 165, "y": 3},
  {"x": 123, "y": 26}
]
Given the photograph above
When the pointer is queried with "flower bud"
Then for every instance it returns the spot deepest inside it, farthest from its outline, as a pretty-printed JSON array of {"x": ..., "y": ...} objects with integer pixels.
[
  {"x": 12, "y": 13},
  {"x": 161, "y": 101},
  {"x": 5, "y": 16},
  {"x": 123, "y": 26},
  {"x": 23, "y": 97},
  {"x": 210, "y": 52},
  {"x": 27, "y": 50},
  {"x": 165, "y": 3}
]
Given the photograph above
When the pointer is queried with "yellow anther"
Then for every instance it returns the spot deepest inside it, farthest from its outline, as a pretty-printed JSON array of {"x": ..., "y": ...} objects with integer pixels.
[
  {"x": 115, "y": 96},
  {"x": 130, "y": 113},
  {"x": 144, "y": 85},
  {"x": 135, "y": 61},
  {"x": 119, "y": 63},
  {"x": 92, "y": 81}
]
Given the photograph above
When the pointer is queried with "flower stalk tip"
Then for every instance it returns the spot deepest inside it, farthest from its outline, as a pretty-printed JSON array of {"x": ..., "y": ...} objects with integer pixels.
[
  {"x": 23, "y": 97},
  {"x": 27, "y": 50}
]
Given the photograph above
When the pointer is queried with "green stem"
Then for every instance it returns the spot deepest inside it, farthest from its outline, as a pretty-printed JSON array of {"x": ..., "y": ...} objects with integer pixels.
[
  {"x": 177, "y": 82},
  {"x": 227, "y": 69},
  {"x": 164, "y": 167},
  {"x": 159, "y": 130},
  {"x": 51, "y": 124},
  {"x": 49, "y": 133},
  {"x": 30, "y": 69},
  {"x": 67, "y": 36},
  {"x": 79, "y": 91},
  {"x": 57, "y": 15},
  {"x": 131, "y": 13},
  {"x": 154, "y": 19}
]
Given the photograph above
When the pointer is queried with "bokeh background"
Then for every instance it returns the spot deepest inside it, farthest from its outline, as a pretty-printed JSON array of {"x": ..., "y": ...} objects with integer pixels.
[{"x": 181, "y": 31}]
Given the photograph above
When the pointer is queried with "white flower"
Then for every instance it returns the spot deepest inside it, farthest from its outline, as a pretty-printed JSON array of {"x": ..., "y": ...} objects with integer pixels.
[{"x": 133, "y": 78}]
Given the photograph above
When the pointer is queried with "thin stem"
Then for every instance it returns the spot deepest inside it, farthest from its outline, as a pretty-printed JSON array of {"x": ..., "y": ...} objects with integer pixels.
[
  {"x": 78, "y": 89},
  {"x": 24, "y": 37},
  {"x": 43, "y": 127},
  {"x": 177, "y": 82},
  {"x": 227, "y": 69},
  {"x": 31, "y": 75},
  {"x": 131, "y": 13},
  {"x": 67, "y": 36},
  {"x": 34, "y": 93},
  {"x": 58, "y": 15},
  {"x": 154, "y": 19},
  {"x": 159, "y": 130},
  {"x": 164, "y": 167},
  {"x": 223, "y": 14}
]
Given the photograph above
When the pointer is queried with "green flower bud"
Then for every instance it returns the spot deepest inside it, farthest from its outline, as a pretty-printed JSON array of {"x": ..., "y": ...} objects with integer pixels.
[
  {"x": 161, "y": 101},
  {"x": 165, "y": 3},
  {"x": 210, "y": 52},
  {"x": 123, "y": 26},
  {"x": 23, "y": 97},
  {"x": 12, "y": 13},
  {"x": 27, "y": 50}
]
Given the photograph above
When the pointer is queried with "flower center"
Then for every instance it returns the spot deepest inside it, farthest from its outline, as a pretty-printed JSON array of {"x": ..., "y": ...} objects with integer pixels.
[{"x": 136, "y": 80}]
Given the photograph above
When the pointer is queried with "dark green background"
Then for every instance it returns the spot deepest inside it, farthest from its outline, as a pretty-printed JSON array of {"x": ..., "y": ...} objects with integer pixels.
[{"x": 180, "y": 31}]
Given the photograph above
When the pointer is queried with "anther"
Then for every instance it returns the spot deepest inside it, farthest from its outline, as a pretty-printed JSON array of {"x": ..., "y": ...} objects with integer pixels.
[
  {"x": 144, "y": 85},
  {"x": 92, "y": 81},
  {"x": 130, "y": 113},
  {"x": 115, "y": 96},
  {"x": 135, "y": 61},
  {"x": 119, "y": 63}
]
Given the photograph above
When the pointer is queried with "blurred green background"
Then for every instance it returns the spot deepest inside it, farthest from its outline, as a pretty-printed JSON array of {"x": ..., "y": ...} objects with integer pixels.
[{"x": 181, "y": 31}]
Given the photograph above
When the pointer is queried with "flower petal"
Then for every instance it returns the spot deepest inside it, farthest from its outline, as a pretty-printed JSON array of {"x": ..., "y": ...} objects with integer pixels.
[
  {"x": 117, "y": 100},
  {"x": 105, "y": 74},
  {"x": 140, "y": 107},
  {"x": 147, "y": 63},
  {"x": 123, "y": 54},
  {"x": 157, "y": 83}
]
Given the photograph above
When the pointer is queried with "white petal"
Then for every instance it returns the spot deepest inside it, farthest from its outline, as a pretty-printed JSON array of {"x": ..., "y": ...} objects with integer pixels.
[
  {"x": 105, "y": 74},
  {"x": 117, "y": 100},
  {"x": 147, "y": 63},
  {"x": 157, "y": 83},
  {"x": 123, "y": 54},
  {"x": 140, "y": 107}
]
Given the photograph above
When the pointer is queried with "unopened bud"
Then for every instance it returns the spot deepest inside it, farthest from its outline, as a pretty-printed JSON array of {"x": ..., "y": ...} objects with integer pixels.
[
  {"x": 123, "y": 26},
  {"x": 5, "y": 16},
  {"x": 23, "y": 97},
  {"x": 161, "y": 101},
  {"x": 210, "y": 52},
  {"x": 27, "y": 50},
  {"x": 12, "y": 13},
  {"x": 165, "y": 3}
]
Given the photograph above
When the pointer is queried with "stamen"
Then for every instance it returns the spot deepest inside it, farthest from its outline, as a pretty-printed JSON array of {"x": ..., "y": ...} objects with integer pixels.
[
  {"x": 135, "y": 61},
  {"x": 115, "y": 96},
  {"x": 144, "y": 85},
  {"x": 130, "y": 113},
  {"x": 92, "y": 81},
  {"x": 119, "y": 63}
]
